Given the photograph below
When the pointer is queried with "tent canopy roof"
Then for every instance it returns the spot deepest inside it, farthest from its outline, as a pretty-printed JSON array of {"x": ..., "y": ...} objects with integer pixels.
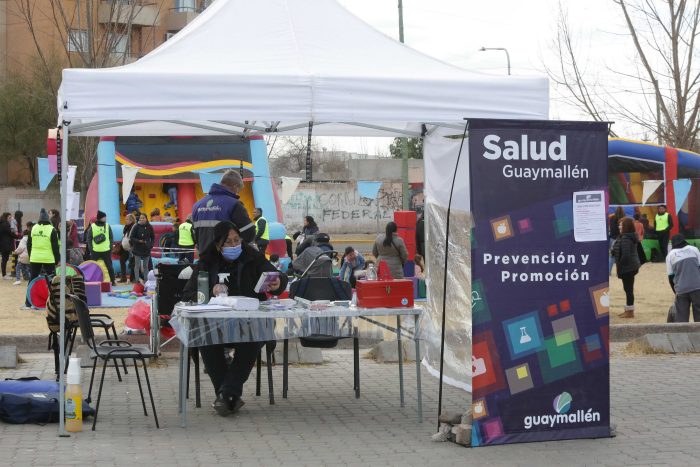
[{"x": 281, "y": 64}]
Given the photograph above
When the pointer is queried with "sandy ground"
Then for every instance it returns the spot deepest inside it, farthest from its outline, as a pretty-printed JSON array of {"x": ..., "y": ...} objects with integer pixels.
[
  {"x": 653, "y": 297},
  {"x": 16, "y": 321}
]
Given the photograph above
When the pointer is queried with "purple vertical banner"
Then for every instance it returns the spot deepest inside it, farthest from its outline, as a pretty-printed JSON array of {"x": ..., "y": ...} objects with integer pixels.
[{"x": 540, "y": 351}]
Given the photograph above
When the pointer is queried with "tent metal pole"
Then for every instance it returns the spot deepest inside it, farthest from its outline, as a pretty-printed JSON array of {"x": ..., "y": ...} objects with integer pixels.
[
  {"x": 106, "y": 125},
  {"x": 205, "y": 127},
  {"x": 245, "y": 126},
  {"x": 412, "y": 134},
  {"x": 82, "y": 126},
  {"x": 62, "y": 301}
]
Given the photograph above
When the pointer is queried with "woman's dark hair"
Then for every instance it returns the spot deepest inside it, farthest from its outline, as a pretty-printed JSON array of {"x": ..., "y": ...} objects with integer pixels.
[
  {"x": 348, "y": 250},
  {"x": 221, "y": 231},
  {"x": 142, "y": 214},
  {"x": 390, "y": 231},
  {"x": 18, "y": 217},
  {"x": 4, "y": 217},
  {"x": 30, "y": 225},
  {"x": 310, "y": 220},
  {"x": 627, "y": 225},
  {"x": 619, "y": 213}
]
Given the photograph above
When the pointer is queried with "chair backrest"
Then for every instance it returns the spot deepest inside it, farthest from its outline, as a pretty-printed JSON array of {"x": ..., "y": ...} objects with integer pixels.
[
  {"x": 321, "y": 288},
  {"x": 83, "y": 313},
  {"x": 169, "y": 288},
  {"x": 74, "y": 286}
]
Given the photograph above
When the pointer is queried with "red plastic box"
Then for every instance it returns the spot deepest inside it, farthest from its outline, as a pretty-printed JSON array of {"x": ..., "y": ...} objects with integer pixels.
[
  {"x": 396, "y": 293},
  {"x": 405, "y": 219}
]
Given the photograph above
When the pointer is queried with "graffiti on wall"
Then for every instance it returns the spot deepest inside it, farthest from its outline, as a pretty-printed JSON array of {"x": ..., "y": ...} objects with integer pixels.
[{"x": 338, "y": 207}]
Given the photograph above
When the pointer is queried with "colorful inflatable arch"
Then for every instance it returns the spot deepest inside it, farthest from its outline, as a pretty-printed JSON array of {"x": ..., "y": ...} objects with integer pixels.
[
  {"x": 179, "y": 161},
  {"x": 631, "y": 162}
]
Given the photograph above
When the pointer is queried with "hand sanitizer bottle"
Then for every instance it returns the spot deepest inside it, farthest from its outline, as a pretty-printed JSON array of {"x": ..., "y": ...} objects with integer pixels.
[{"x": 74, "y": 398}]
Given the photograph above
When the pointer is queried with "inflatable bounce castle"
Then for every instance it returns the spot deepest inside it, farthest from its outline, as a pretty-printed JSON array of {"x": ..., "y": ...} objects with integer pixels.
[{"x": 179, "y": 162}]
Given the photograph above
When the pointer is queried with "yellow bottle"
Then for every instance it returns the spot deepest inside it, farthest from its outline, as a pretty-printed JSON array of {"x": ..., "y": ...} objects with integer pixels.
[{"x": 74, "y": 398}]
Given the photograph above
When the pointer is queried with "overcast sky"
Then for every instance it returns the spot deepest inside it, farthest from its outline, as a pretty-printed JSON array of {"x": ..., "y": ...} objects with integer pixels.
[{"x": 454, "y": 30}]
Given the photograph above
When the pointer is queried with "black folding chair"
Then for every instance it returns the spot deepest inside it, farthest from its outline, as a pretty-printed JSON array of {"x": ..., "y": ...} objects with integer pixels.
[
  {"x": 321, "y": 288},
  {"x": 112, "y": 349}
]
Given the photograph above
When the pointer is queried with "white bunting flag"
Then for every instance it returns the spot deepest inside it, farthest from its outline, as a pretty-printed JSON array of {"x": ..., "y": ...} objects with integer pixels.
[
  {"x": 648, "y": 189},
  {"x": 289, "y": 186},
  {"x": 128, "y": 177}
]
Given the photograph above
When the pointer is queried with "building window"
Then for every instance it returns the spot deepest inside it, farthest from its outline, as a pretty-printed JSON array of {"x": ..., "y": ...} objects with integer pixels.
[
  {"x": 185, "y": 5},
  {"x": 77, "y": 40},
  {"x": 120, "y": 44}
]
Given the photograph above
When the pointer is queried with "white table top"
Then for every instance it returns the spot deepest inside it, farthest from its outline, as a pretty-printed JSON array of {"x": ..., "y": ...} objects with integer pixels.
[{"x": 300, "y": 312}]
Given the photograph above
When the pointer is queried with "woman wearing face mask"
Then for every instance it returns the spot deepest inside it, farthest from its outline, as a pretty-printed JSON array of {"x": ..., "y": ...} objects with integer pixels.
[
  {"x": 228, "y": 254},
  {"x": 141, "y": 239}
]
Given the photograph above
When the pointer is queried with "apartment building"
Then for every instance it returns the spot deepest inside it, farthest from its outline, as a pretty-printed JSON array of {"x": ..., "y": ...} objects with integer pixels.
[{"x": 89, "y": 33}]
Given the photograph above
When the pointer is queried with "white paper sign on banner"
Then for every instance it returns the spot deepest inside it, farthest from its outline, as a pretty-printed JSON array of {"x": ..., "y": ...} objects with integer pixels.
[
  {"x": 128, "y": 177},
  {"x": 289, "y": 186},
  {"x": 71, "y": 177},
  {"x": 73, "y": 205},
  {"x": 648, "y": 189}
]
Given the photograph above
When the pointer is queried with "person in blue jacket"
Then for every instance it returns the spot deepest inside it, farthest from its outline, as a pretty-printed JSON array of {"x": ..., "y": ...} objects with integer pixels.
[
  {"x": 222, "y": 204},
  {"x": 352, "y": 261}
]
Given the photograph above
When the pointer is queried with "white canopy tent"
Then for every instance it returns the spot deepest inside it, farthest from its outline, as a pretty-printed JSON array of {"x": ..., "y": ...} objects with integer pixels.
[
  {"x": 273, "y": 66},
  {"x": 282, "y": 64}
]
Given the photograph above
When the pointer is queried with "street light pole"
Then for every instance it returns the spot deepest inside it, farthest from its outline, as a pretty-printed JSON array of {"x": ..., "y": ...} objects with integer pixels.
[{"x": 484, "y": 49}]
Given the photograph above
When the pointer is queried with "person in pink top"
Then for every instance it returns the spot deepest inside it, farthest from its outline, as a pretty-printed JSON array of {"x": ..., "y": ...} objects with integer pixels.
[{"x": 638, "y": 226}]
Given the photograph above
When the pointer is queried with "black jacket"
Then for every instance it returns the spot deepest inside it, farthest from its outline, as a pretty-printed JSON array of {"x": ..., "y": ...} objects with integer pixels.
[
  {"x": 420, "y": 236},
  {"x": 7, "y": 240},
  {"x": 244, "y": 275},
  {"x": 142, "y": 238},
  {"x": 624, "y": 250}
]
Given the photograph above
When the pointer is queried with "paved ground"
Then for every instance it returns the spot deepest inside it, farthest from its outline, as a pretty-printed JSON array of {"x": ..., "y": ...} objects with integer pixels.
[{"x": 654, "y": 399}]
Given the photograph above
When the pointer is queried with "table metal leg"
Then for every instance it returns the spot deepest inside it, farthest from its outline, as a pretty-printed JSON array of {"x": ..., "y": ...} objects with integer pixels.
[
  {"x": 285, "y": 368},
  {"x": 418, "y": 364},
  {"x": 400, "y": 354},
  {"x": 179, "y": 380},
  {"x": 356, "y": 363},
  {"x": 184, "y": 364}
]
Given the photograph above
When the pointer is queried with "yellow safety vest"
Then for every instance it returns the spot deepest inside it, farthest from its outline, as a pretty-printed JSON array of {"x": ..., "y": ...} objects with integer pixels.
[
  {"x": 185, "y": 234},
  {"x": 266, "y": 233},
  {"x": 661, "y": 222},
  {"x": 42, "y": 252},
  {"x": 104, "y": 246}
]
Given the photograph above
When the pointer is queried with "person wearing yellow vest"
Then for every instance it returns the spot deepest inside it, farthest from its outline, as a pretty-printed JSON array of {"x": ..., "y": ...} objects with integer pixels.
[
  {"x": 99, "y": 240},
  {"x": 663, "y": 223},
  {"x": 186, "y": 239},
  {"x": 42, "y": 248},
  {"x": 262, "y": 231}
]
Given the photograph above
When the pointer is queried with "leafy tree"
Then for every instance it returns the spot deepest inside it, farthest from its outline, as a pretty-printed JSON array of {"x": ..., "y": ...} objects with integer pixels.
[
  {"x": 27, "y": 110},
  {"x": 414, "y": 146}
]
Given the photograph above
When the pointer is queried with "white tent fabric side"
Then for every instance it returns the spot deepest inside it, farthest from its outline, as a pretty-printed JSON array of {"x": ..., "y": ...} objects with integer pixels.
[
  {"x": 283, "y": 63},
  {"x": 441, "y": 149}
]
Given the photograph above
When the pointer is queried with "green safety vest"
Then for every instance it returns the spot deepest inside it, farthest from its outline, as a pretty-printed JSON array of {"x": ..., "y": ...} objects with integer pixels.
[
  {"x": 104, "y": 246},
  {"x": 266, "y": 233},
  {"x": 185, "y": 234},
  {"x": 42, "y": 252},
  {"x": 661, "y": 222}
]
